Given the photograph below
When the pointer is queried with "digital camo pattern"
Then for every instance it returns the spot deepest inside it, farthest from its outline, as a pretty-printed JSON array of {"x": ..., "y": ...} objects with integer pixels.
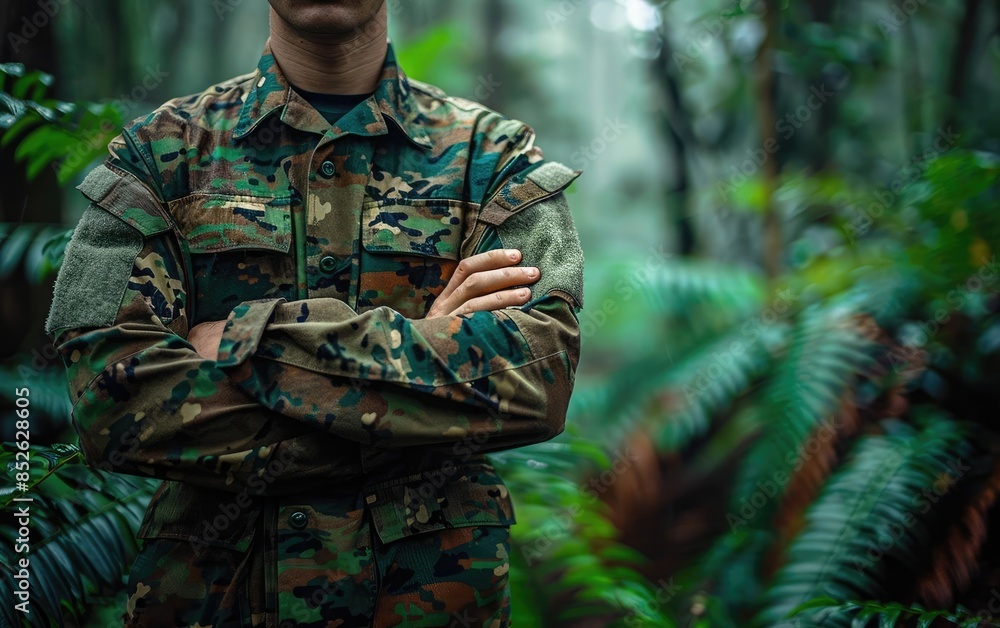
[{"x": 336, "y": 444}]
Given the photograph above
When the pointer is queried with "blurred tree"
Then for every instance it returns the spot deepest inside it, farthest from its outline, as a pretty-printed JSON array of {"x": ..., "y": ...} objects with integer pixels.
[{"x": 29, "y": 40}]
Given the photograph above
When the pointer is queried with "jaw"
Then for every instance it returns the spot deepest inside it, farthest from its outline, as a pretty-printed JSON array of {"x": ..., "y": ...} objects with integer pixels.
[{"x": 334, "y": 20}]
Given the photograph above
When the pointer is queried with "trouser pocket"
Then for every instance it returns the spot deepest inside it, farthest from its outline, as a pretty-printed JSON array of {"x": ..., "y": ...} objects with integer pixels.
[{"x": 172, "y": 584}]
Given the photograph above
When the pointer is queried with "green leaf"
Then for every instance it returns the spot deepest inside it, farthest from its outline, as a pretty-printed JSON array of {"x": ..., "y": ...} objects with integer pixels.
[
  {"x": 83, "y": 525},
  {"x": 868, "y": 494},
  {"x": 13, "y": 248},
  {"x": 819, "y": 602}
]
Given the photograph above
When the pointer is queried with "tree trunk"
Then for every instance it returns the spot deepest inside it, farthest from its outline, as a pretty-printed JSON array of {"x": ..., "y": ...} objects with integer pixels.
[{"x": 764, "y": 83}]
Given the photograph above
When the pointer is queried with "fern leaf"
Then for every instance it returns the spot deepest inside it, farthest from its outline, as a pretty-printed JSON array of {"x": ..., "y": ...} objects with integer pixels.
[
  {"x": 82, "y": 535},
  {"x": 867, "y": 516}
]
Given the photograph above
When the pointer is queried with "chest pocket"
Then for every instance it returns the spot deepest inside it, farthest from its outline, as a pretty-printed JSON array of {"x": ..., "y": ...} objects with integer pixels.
[
  {"x": 239, "y": 248},
  {"x": 409, "y": 251}
]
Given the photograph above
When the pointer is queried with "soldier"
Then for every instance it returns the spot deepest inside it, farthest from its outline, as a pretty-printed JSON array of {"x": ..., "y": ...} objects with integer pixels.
[{"x": 310, "y": 299}]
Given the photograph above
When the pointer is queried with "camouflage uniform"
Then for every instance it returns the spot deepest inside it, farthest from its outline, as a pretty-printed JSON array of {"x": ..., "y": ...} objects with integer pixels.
[{"x": 328, "y": 468}]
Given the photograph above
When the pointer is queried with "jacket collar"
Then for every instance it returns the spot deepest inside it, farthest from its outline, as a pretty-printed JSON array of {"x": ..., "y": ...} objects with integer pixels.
[{"x": 271, "y": 92}]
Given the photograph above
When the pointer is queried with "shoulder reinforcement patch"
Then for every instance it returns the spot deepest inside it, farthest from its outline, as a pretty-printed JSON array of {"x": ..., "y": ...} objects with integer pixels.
[
  {"x": 545, "y": 235},
  {"x": 94, "y": 273},
  {"x": 126, "y": 197},
  {"x": 526, "y": 188}
]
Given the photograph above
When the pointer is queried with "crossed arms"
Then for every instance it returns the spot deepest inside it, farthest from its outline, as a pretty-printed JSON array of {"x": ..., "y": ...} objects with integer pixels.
[{"x": 310, "y": 377}]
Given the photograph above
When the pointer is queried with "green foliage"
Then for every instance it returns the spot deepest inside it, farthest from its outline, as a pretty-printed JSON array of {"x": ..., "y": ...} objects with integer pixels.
[
  {"x": 713, "y": 311},
  {"x": 51, "y": 406},
  {"x": 874, "y": 512},
  {"x": 566, "y": 562},
  {"x": 81, "y": 535},
  {"x": 433, "y": 57},
  {"x": 889, "y": 615},
  {"x": 48, "y": 131},
  {"x": 803, "y": 394},
  {"x": 797, "y": 408},
  {"x": 36, "y": 250}
]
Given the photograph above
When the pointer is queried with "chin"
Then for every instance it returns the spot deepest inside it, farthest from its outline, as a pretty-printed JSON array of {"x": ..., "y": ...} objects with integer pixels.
[{"x": 327, "y": 17}]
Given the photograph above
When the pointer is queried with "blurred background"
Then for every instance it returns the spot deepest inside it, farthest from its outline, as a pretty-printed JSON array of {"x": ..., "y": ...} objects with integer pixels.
[{"x": 785, "y": 411}]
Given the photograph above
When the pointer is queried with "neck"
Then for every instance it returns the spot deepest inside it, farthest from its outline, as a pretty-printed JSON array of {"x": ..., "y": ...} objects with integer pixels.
[{"x": 331, "y": 64}]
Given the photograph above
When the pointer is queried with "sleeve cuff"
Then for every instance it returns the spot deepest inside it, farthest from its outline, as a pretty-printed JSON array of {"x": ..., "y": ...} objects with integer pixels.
[{"x": 244, "y": 329}]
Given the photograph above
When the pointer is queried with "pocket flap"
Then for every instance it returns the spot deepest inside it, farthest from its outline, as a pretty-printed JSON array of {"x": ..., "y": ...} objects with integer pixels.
[
  {"x": 199, "y": 516},
  {"x": 449, "y": 497},
  {"x": 211, "y": 223},
  {"x": 431, "y": 227}
]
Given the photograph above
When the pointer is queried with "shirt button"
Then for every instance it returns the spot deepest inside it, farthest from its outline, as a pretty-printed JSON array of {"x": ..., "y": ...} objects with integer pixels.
[
  {"x": 328, "y": 264},
  {"x": 298, "y": 520},
  {"x": 327, "y": 168}
]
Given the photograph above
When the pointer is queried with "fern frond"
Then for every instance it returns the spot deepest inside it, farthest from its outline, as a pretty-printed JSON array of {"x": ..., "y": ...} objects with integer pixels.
[
  {"x": 705, "y": 299},
  {"x": 82, "y": 530},
  {"x": 566, "y": 560},
  {"x": 871, "y": 513},
  {"x": 720, "y": 329},
  {"x": 826, "y": 353},
  {"x": 890, "y": 614},
  {"x": 49, "y": 395}
]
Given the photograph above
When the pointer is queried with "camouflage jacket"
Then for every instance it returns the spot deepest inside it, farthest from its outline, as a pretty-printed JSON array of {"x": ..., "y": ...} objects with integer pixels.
[{"x": 323, "y": 247}]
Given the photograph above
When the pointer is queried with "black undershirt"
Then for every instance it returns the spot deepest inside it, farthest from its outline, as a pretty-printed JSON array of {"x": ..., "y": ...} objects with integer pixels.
[{"x": 332, "y": 106}]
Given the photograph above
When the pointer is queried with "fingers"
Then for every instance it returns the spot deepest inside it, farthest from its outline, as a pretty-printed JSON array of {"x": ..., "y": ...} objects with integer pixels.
[
  {"x": 487, "y": 281},
  {"x": 494, "y": 301},
  {"x": 497, "y": 258}
]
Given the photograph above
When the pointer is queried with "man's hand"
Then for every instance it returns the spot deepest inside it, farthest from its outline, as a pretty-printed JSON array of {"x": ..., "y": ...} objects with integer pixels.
[
  {"x": 206, "y": 338},
  {"x": 481, "y": 283}
]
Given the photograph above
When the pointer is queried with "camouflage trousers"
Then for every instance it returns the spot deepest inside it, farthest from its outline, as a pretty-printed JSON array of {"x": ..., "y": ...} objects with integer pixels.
[{"x": 333, "y": 572}]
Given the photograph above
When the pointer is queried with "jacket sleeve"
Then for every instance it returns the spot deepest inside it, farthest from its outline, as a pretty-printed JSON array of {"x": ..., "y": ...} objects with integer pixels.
[
  {"x": 501, "y": 377},
  {"x": 145, "y": 403}
]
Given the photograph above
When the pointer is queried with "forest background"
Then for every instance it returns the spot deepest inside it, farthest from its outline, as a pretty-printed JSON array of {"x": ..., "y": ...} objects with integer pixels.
[{"x": 784, "y": 413}]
